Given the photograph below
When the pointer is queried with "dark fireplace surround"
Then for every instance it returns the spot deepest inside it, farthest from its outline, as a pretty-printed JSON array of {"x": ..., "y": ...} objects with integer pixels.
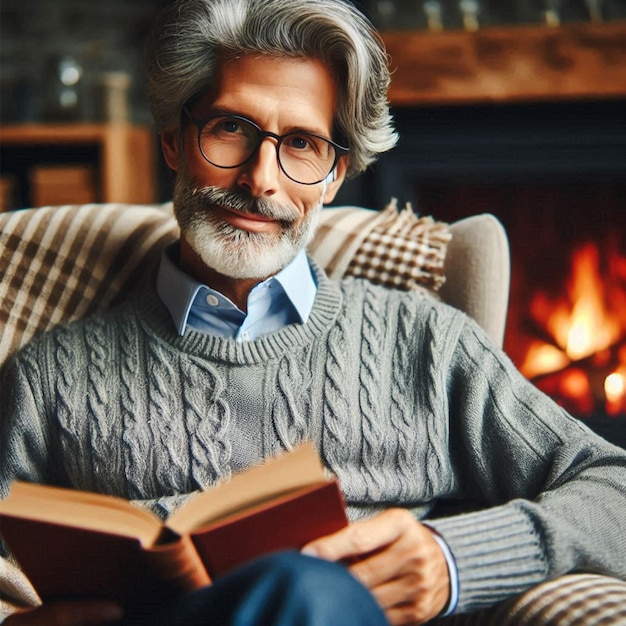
[{"x": 554, "y": 173}]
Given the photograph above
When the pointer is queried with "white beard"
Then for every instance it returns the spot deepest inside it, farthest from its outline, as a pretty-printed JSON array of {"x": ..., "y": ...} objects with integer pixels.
[{"x": 234, "y": 252}]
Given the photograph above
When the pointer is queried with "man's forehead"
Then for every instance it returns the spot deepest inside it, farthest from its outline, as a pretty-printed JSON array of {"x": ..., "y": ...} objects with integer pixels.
[{"x": 298, "y": 91}]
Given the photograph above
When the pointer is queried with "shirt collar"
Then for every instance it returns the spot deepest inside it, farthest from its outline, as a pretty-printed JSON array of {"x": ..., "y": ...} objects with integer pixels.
[
  {"x": 299, "y": 285},
  {"x": 177, "y": 289}
]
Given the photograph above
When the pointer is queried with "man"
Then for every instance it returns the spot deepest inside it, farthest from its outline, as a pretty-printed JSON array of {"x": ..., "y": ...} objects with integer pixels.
[{"x": 241, "y": 348}]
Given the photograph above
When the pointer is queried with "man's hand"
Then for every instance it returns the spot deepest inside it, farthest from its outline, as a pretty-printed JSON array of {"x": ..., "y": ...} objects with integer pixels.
[
  {"x": 397, "y": 559},
  {"x": 79, "y": 613}
]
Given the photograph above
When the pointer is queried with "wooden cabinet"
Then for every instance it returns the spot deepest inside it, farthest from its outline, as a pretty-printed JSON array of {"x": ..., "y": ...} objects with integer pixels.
[{"x": 76, "y": 163}]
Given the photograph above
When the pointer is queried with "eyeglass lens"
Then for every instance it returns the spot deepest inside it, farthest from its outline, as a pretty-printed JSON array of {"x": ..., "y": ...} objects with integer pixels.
[{"x": 231, "y": 141}]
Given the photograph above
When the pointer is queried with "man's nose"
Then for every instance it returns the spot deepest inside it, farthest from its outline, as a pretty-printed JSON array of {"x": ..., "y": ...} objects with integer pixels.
[{"x": 261, "y": 175}]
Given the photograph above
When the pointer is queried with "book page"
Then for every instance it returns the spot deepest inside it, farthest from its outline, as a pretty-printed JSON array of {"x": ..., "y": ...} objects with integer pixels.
[
  {"x": 287, "y": 472},
  {"x": 81, "y": 509}
]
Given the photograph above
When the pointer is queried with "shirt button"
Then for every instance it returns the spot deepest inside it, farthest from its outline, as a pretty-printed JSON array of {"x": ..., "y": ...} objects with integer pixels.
[
  {"x": 212, "y": 300},
  {"x": 245, "y": 335}
]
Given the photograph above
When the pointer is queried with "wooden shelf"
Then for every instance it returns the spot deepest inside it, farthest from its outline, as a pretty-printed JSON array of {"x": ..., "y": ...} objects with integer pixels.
[
  {"x": 125, "y": 164},
  {"x": 513, "y": 64}
]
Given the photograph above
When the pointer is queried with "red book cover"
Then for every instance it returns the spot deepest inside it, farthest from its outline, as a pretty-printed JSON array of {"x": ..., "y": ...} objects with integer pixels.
[{"x": 288, "y": 522}]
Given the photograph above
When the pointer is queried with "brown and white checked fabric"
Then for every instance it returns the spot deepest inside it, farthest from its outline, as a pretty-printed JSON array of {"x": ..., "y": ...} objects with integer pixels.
[
  {"x": 403, "y": 251},
  {"x": 339, "y": 234},
  {"x": 61, "y": 263},
  {"x": 572, "y": 600},
  {"x": 393, "y": 248}
]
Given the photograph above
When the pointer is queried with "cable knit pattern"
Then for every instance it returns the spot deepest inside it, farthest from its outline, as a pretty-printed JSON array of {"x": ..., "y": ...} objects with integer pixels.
[
  {"x": 404, "y": 397},
  {"x": 67, "y": 389},
  {"x": 439, "y": 347},
  {"x": 371, "y": 373},
  {"x": 339, "y": 442},
  {"x": 287, "y": 417},
  {"x": 129, "y": 396},
  {"x": 160, "y": 426},
  {"x": 205, "y": 405},
  {"x": 102, "y": 431},
  {"x": 410, "y": 433}
]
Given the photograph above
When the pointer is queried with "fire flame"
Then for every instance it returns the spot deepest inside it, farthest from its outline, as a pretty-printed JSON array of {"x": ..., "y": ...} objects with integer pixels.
[
  {"x": 591, "y": 326},
  {"x": 586, "y": 325}
]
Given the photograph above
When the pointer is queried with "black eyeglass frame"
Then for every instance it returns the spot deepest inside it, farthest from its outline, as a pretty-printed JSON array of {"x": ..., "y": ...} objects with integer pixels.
[{"x": 262, "y": 134}]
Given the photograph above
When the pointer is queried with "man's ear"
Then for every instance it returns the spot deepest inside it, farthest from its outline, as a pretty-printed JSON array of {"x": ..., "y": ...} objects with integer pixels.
[
  {"x": 333, "y": 185},
  {"x": 170, "y": 144}
]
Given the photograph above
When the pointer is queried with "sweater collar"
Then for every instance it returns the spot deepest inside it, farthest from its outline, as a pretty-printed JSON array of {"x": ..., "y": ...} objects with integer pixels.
[{"x": 155, "y": 318}]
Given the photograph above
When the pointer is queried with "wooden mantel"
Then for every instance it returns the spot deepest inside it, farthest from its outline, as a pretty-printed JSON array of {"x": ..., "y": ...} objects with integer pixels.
[{"x": 513, "y": 64}]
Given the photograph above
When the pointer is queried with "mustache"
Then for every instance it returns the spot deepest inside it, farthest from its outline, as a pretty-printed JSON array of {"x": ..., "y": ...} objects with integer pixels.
[{"x": 240, "y": 201}]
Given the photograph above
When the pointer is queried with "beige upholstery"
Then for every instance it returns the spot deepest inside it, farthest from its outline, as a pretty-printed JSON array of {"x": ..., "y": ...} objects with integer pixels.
[
  {"x": 61, "y": 263},
  {"x": 476, "y": 264},
  {"x": 477, "y": 270}
]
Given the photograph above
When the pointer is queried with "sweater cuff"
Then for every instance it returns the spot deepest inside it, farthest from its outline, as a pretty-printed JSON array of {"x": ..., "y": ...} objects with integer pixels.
[{"x": 497, "y": 552}]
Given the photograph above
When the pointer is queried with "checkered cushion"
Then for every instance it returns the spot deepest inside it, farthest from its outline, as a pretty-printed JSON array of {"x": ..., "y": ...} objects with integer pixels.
[{"x": 393, "y": 248}]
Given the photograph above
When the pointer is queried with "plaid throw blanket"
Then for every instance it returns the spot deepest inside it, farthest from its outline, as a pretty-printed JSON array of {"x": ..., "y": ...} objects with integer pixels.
[
  {"x": 572, "y": 600},
  {"x": 61, "y": 263}
]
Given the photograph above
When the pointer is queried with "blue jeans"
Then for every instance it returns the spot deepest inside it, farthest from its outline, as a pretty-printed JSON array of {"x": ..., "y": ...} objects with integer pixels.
[{"x": 283, "y": 589}]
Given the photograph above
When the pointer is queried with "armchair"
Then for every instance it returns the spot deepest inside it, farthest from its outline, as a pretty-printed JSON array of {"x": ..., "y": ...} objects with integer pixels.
[{"x": 62, "y": 263}]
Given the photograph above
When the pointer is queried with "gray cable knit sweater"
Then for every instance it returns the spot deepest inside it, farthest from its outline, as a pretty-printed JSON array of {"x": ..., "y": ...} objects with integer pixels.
[{"x": 405, "y": 398}]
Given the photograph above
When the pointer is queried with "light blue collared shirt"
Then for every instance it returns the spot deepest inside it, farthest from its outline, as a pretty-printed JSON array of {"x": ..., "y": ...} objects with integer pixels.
[
  {"x": 286, "y": 298},
  {"x": 453, "y": 572}
]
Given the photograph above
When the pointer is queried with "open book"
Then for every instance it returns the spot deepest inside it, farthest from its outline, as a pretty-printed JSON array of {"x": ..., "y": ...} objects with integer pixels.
[{"x": 74, "y": 544}]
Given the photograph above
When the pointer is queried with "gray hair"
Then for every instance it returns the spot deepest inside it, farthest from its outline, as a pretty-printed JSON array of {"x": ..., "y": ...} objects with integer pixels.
[{"x": 192, "y": 36}]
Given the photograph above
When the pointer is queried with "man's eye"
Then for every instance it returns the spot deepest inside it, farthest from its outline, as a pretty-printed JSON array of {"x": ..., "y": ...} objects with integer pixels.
[
  {"x": 221, "y": 127},
  {"x": 229, "y": 126},
  {"x": 299, "y": 142}
]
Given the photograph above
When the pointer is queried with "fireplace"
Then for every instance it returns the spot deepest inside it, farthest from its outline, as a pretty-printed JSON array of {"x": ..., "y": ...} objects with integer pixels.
[
  {"x": 566, "y": 327},
  {"x": 573, "y": 339},
  {"x": 555, "y": 175}
]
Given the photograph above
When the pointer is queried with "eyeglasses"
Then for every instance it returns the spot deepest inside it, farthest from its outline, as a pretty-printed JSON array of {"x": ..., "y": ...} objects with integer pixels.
[{"x": 229, "y": 141}]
